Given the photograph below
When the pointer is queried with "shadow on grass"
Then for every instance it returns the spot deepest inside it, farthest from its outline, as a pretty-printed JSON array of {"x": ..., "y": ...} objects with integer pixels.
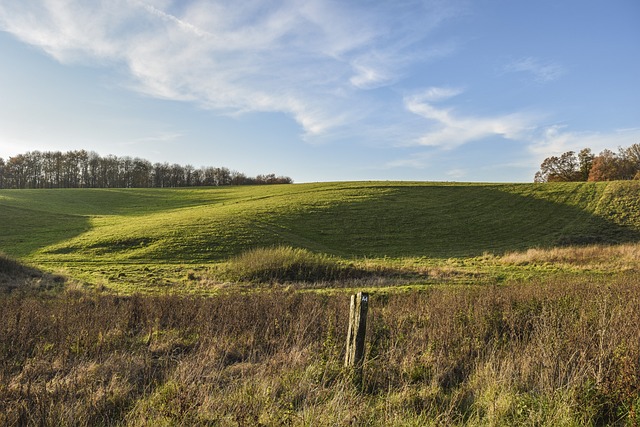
[
  {"x": 24, "y": 231},
  {"x": 453, "y": 221},
  {"x": 15, "y": 275},
  {"x": 395, "y": 220}
]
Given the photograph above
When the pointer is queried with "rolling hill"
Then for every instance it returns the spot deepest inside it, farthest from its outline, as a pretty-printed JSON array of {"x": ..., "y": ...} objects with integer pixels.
[{"x": 349, "y": 220}]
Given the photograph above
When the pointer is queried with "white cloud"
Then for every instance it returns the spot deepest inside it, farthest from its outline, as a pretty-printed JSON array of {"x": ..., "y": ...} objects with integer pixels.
[
  {"x": 369, "y": 74},
  {"x": 554, "y": 140},
  {"x": 448, "y": 129},
  {"x": 543, "y": 72},
  {"x": 303, "y": 58},
  {"x": 159, "y": 137},
  {"x": 415, "y": 161},
  {"x": 457, "y": 173}
]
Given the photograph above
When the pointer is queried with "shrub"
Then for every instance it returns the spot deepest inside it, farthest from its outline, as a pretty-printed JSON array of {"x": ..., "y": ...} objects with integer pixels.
[{"x": 286, "y": 264}]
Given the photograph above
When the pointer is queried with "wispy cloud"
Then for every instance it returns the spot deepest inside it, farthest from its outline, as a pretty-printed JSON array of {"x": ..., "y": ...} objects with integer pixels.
[
  {"x": 152, "y": 139},
  {"x": 414, "y": 161},
  {"x": 542, "y": 72},
  {"x": 457, "y": 173},
  {"x": 303, "y": 58},
  {"x": 557, "y": 139},
  {"x": 449, "y": 129}
]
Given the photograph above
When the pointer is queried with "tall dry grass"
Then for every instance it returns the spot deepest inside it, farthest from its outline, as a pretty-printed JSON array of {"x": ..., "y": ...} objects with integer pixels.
[
  {"x": 286, "y": 264},
  {"x": 15, "y": 275},
  {"x": 564, "y": 352},
  {"x": 623, "y": 256}
]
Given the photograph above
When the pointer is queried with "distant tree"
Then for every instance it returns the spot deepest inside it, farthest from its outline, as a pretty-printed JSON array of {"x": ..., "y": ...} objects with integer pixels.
[
  {"x": 176, "y": 176},
  {"x": 197, "y": 177},
  {"x": 93, "y": 168},
  {"x": 238, "y": 178},
  {"x": 74, "y": 169},
  {"x": 83, "y": 168},
  {"x": 606, "y": 167},
  {"x": 16, "y": 171},
  {"x": 559, "y": 169},
  {"x": 222, "y": 176},
  {"x": 32, "y": 169},
  {"x": 141, "y": 173},
  {"x": 585, "y": 162},
  {"x": 630, "y": 161},
  {"x": 188, "y": 175},
  {"x": 160, "y": 175},
  {"x": 633, "y": 153}
]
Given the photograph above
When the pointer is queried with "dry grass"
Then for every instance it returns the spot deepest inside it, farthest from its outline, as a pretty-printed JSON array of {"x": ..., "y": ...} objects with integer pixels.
[
  {"x": 564, "y": 352},
  {"x": 285, "y": 264},
  {"x": 624, "y": 256},
  {"x": 15, "y": 275}
]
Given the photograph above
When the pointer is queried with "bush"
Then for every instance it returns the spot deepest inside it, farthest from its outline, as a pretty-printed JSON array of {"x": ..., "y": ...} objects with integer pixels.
[{"x": 286, "y": 264}]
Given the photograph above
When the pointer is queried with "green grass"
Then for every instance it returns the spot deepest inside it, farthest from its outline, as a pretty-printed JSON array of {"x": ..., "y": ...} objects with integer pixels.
[{"x": 94, "y": 229}]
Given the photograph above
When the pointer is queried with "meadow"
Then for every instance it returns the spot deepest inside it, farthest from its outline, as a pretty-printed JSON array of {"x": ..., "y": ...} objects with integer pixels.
[{"x": 492, "y": 304}]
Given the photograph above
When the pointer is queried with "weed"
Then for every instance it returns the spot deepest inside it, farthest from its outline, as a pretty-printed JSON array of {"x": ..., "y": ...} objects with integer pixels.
[
  {"x": 286, "y": 264},
  {"x": 560, "y": 352}
]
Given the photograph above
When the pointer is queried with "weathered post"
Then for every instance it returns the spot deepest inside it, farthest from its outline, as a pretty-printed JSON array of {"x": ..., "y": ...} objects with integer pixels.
[{"x": 357, "y": 329}]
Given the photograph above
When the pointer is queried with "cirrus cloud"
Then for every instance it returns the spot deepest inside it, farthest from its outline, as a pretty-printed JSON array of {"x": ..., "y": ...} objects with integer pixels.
[
  {"x": 543, "y": 72},
  {"x": 449, "y": 129},
  {"x": 302, "y": 58}
]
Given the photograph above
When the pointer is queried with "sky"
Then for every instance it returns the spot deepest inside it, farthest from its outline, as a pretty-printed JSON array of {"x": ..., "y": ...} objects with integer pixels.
[{"x": 320, "y": 90}]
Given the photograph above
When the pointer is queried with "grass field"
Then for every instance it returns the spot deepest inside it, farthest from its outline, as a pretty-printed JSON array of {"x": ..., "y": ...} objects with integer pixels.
[
  {"x": 348, "y": 220},
  {"x": 491, "y": 304},
  {"x": 151, "y": 238}
]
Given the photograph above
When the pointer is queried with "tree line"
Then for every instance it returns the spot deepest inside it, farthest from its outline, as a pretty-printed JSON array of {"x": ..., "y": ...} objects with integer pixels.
[
  {"x": 585, "y": 166},
  {"x": 82, "y": 169}
]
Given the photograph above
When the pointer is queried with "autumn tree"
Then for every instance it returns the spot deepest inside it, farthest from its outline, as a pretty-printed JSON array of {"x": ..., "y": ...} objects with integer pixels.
[
  {"x": 633, "y": 153},
  {"x": 585, "y": 162},
  {"x": 630, "y": 159},
  {"x": 606, "y": 167},
  {"x": 559, "y": 169}
]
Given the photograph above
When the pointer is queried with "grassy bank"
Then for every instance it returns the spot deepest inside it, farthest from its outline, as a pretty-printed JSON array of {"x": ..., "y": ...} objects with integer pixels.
[
  {"x": 350, "y": 220},
  {"x": 159, "y": 240}
]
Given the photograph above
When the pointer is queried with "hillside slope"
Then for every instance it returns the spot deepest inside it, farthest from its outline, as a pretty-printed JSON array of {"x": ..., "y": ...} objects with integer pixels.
[{"x": 354, "y": 219}]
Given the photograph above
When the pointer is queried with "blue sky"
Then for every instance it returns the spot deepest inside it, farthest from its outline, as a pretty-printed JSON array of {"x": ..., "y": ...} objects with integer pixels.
[{"x": 323, "y": 90}]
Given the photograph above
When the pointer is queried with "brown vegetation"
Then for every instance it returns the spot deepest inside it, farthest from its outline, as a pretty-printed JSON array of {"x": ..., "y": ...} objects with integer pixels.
[
  {"x": 16, "y": 275},
  {"x": 281, "y": 264},
  {"x": 554, "y": 353},
  {"x": 607, "y": 166},
  {"x": 620, "y": 257}
]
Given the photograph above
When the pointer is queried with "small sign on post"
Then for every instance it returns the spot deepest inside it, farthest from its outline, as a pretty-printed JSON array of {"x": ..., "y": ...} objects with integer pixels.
[{"x": 357, "y": 330}]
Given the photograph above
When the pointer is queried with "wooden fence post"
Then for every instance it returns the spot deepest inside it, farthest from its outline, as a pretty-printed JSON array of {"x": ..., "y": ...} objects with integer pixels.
[{"x": 357, "y": 329}]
